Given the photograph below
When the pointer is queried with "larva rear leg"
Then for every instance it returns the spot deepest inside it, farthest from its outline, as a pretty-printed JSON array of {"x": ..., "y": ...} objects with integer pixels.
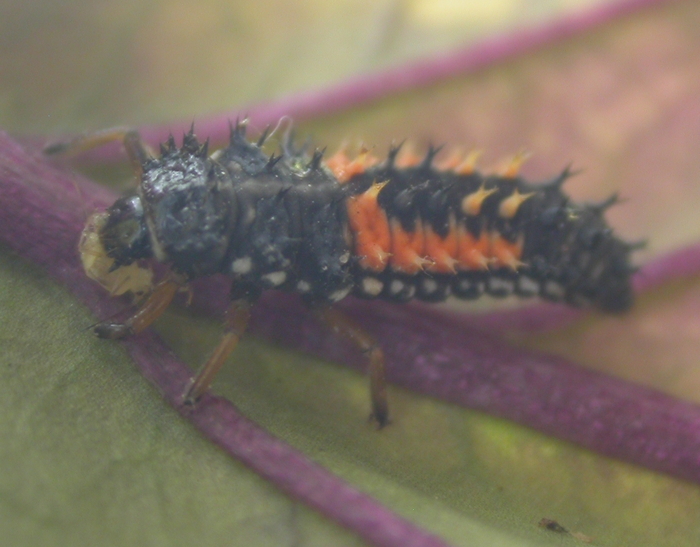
[{"x": 343, "y": 326}]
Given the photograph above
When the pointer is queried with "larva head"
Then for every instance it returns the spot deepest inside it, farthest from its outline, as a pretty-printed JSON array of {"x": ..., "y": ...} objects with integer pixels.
[
  {"x": 111, "y": 244},
  {"x": 124, "y": 233}
]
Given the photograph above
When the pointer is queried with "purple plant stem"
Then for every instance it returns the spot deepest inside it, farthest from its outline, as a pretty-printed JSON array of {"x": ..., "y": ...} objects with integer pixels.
[
  {"x": 41, "y": 216},
  {"x": 424, "y": 72}
]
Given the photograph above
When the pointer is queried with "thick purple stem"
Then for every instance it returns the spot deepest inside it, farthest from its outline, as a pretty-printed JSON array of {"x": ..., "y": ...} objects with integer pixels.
[
  {"x": 431, "y": 354},
  {"x": 425, "y": 352},
  {"x": 41, "y": 216}
]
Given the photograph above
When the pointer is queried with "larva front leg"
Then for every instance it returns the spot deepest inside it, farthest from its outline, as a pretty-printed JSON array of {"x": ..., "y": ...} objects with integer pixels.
[
  {"x": 154, "y": 306},
  {"x": 235, "y": 324},
  {"x": 136, "y": 150}
]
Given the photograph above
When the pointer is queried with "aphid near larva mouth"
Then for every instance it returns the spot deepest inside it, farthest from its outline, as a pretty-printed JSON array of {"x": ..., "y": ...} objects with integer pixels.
[
  {"x": 99, "y": 266},
  {"x": 398, "y": 228}
]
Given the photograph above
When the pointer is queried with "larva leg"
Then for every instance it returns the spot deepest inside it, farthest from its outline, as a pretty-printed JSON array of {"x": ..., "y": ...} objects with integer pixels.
[
  {"x": 348, "y": 329},
  {"x": 154, "y": 306},
  {"x": 236, "y": 322},
  {"x": 135, "y": 148}
]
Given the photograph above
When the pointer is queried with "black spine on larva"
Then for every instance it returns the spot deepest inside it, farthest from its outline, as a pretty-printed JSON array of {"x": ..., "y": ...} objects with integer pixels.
[
  {"x": 187, "y": 202},
  {"x": 569, "y": 253}
]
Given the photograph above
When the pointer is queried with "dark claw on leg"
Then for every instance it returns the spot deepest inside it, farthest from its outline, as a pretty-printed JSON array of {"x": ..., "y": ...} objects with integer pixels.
[
  {"x": 346, "y": 328},
  {"x": 237, "y": 317},
  {"x": 380, "y": 417},
  {"x": 188, "y": 399},
  {"x": 112, "y": 331},
  {"x": 149, "y": 311}
]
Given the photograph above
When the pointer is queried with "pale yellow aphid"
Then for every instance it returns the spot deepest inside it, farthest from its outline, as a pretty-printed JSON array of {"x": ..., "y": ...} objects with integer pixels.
[{"x": 132, "y": 278}]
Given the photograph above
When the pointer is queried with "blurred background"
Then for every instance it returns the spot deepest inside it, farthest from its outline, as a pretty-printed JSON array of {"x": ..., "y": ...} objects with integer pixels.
[
  {"x": 621, "y": 101},
  {"x": 72, "y": 65}
]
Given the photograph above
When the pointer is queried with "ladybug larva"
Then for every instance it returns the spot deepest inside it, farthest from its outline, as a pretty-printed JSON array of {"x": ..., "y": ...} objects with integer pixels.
[{"x": 399, "y": 228}]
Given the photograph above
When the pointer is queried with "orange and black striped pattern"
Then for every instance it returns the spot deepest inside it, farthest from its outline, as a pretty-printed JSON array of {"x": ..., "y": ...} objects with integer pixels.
[{"x": 429, "y": 229}]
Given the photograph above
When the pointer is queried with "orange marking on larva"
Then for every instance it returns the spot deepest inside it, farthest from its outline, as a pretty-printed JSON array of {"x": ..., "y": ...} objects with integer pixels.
[
  {"x": 407, "y": 248},
  {"x": 344, "y": 168},
  {"x": 338, "y": 163},
  {"x": 473, "y": 253},
  {"x": 468, "y": 166},
  {"x": 407, "y": 158},
  {"x": 509, "y": 206},
  {"x": 360, "y": 164},
  {"x": 441, "y": 251},
  {"x": 511, "y": 169},
  {"x": 370, "y": 227},
  {"x": 452, "y": 161},
  {"x": 471, "y": 204},
  {"x": 422, "y": 262},
  {"x": 505, "y": 253}
]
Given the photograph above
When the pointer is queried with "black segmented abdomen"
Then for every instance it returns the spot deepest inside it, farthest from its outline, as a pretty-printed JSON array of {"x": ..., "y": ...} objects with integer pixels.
[{"x": 397, "y": 229}]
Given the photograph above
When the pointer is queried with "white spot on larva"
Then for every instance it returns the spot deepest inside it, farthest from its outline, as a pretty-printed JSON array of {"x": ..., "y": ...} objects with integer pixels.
[
  {"x": 372, "y": 286},
  {"x": 242, "y": 265},
  {"x": 275, "y": 278},
  {"x": 500, "y": 285},
  {"x": 396, "y": 286},
  {"x": 464, "y": 285},
  {"x": 303, "y": 287},
  {"x": 344, "y": 257},
  {"x": 553, "y": 289},
  {"x": 528, "y": 285},
  {"x": 339, "y": 294},
  {"x": 429, "y": 286},
  {"x": 249, "y": 215}
]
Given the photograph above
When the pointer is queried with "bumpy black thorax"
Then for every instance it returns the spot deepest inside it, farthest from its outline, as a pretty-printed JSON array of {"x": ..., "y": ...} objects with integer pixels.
[{"x": 268, "y": 222}]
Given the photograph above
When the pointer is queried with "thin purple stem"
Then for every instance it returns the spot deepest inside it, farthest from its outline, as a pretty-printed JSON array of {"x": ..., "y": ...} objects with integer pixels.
[{"x": 424, "y": 72}]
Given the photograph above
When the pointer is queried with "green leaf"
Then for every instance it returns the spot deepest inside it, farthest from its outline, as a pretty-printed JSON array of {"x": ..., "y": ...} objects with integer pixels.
[{"x": 91, "y": 454}]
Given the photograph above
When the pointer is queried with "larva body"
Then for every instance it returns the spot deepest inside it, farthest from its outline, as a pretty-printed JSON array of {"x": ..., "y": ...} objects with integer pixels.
[
  {"x": 375, "y": 229},
  {"x": 396, "y": 229}
]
